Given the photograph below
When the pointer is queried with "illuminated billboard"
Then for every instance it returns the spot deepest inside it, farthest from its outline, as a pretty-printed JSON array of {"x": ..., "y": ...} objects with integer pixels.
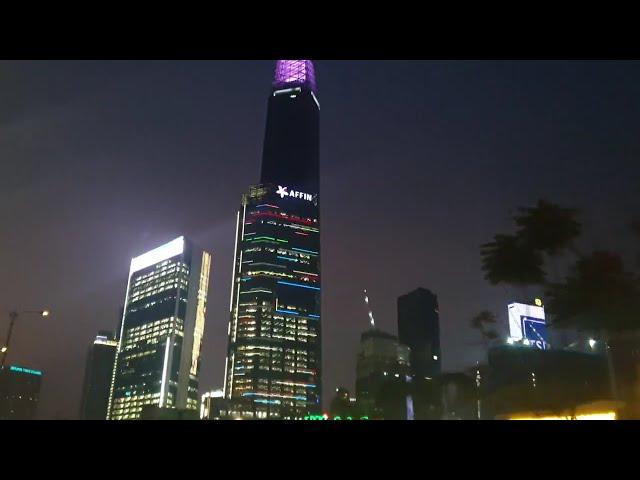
[{"x": 527, "y": 325}]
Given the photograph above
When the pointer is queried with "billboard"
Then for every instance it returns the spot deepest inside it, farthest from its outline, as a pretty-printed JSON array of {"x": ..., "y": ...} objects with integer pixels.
[{"x": 527, "y": 324}]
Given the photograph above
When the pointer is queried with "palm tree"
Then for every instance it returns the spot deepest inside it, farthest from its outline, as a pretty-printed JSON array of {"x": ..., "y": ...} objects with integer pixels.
[{"x": 480, "y": 323}]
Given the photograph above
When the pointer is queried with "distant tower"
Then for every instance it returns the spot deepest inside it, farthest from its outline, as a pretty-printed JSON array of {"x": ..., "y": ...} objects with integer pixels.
[
  {"x": 382, "y": 362},
  {"x": 97, "y": 377},
  {"x": 419, "y": 328}
]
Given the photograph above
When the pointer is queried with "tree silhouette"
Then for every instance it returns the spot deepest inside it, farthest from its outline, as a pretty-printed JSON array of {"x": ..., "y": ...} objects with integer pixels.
[
  {"x": 598, "y": 295},
  {"x": 548, "y": 227},
  {"x": 510, "y": 260}
]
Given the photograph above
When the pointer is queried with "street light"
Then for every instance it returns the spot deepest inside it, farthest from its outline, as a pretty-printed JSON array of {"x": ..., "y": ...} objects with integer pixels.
[{"x": 13, "y": 316}]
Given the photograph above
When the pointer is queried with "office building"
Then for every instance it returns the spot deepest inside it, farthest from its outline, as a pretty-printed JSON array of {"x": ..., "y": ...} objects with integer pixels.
[
  {"x": 158, "y": 357},
  {"x": 19, "y": 392},
  {"x": 273, "y": 367}
]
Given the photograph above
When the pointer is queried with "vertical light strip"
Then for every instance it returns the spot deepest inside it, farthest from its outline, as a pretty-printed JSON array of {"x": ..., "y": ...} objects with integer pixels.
[
  {"x": 317, "y": 102},
  {"x": 120, "y": 338},
  {"x": 224, "y": 383},
  {"x": 234, "y": 315},
  {"x": 233, "y": 356},
  {"x": 164, "y": 372},
  {"x": 201, "y": 310},
  {"x": 235, "y": 321},
  {"x": 233, "y": 272},
  {"x": 244, "y": 214}
]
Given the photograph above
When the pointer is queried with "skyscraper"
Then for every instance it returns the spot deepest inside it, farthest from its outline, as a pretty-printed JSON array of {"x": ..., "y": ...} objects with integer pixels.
[
  {"x": 19, "y": 392},
  {"x": 382, "y": 366},
  {"x": 419, "y": 328},
  {"x": 158, "y": 357},
  {"x": 97, "y": 377},
  {"x": 274, "y": 355}
]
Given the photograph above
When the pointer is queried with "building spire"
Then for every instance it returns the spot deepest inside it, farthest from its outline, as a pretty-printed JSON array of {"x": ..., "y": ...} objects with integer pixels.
[{"x": 295, "y": 73}]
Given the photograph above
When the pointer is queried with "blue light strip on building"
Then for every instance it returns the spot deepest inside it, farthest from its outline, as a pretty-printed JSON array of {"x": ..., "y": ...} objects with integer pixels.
[
  {"x": 290, "y": 312},
  {"x": 251, "y": 394},
  {"x": 297, "y": 285},
  {"x": 305, "y": 251},
  {"x": 287, "y": 258},
  {"x": 272, "y": 402}
]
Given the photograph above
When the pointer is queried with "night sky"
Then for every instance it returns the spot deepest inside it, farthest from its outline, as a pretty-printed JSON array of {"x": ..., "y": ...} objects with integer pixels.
[{"x": 421, "y": 163}]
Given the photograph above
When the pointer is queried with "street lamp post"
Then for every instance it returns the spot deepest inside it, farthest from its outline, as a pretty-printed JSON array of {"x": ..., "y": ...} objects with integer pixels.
[{"x": 13, "y": 316}]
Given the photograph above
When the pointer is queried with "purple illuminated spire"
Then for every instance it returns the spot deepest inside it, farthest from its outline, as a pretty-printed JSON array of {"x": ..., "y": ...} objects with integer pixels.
[{"x": 295, "y": 73}]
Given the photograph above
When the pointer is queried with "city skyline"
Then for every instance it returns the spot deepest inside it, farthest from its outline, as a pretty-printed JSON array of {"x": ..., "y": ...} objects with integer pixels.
[{"x": 525, "y": 129}]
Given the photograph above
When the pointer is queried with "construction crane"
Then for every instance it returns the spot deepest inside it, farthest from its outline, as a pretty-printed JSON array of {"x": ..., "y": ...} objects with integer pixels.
[{"x": 366, "y": 301}]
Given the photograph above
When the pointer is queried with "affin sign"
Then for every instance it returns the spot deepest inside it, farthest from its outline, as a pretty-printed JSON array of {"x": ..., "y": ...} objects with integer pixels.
[{"x": 285, "y": 192}]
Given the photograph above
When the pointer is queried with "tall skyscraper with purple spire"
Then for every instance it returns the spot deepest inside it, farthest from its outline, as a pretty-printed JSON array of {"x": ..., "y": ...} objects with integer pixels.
[{"x": 274, "y": 358}]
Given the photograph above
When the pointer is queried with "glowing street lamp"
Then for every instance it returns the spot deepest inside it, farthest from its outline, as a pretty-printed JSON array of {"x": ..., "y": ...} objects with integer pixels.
[{"x": 13, "y": 316}]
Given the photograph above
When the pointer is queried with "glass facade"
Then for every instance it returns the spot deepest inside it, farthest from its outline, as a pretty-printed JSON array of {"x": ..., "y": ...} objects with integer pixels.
[
  {"x": 157, "y": 362},
  {"x": 274, "y": 356}
]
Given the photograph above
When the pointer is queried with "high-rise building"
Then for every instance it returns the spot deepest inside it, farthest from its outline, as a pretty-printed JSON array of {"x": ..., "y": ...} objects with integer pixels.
[
  {"x": 382, "y": 372},
  {"x": 97, "y": 377},
  {"x": 19, "y": 392},
  {"x": 419, "y": 328},
  {"x": 158, "y": 357},
  {"x": 213, "y": 402},
  {"x": 274, "y": 354}
]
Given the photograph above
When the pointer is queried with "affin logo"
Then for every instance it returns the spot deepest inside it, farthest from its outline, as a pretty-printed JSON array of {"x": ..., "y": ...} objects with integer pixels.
[{"x": 282, "y": 191}]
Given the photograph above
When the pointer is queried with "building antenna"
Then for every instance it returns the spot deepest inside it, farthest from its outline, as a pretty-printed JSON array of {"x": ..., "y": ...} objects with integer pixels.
[{"x": 366, "y": 301}]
